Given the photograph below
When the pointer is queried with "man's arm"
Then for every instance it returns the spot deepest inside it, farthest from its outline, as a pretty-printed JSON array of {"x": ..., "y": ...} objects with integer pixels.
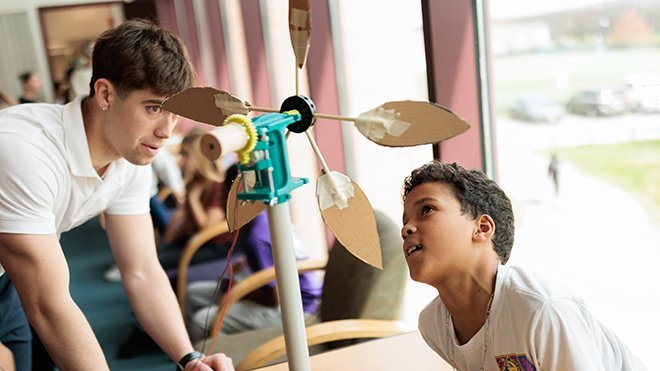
[
  {"x": 38, "y": 269},
  {"x": 146, "y": 284},
  {"x": 149, "y": 291}
]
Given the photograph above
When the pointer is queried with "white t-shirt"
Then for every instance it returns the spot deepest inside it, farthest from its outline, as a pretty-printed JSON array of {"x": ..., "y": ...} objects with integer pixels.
[
  {"x": 166, "y": 170},
  {"x": 534, "y": 325},
  {"x": 47, "y": 181}
]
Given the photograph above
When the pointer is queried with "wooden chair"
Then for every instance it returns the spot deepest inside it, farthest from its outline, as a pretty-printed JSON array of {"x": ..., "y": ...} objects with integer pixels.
[
  {"x": 358, "y": 301},
  {"x": 194, "y": 243}
]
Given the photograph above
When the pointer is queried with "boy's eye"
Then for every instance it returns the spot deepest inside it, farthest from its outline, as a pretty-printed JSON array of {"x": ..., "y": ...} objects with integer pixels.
[
  {"x": 154, "y": 109},
  {"x": 426, "y": 209}
]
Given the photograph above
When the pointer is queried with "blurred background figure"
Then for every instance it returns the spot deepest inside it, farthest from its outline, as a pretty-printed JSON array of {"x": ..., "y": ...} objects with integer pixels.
[
  {"x": 167, "y": 173},
  {"x": 81, "y": 73},
  {"x": 553, "y": 172},
  {"x": 62, "y": 89},
  {"x": 31, "y": 85}
]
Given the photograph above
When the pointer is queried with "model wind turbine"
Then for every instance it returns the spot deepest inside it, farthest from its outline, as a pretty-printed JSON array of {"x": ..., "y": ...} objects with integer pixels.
[{"x": 265, "y": 181}]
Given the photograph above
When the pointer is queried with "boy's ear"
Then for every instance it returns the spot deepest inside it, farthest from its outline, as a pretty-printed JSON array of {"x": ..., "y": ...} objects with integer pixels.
[{"x": 485, "y": 228}]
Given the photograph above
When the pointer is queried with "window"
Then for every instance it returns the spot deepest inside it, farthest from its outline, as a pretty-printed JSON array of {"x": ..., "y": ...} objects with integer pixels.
[{"x": 595, "y": 229}]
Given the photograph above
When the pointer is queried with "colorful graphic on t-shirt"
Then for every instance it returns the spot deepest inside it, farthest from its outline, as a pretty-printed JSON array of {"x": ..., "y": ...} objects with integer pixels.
[{"x": 515, "y": 362}]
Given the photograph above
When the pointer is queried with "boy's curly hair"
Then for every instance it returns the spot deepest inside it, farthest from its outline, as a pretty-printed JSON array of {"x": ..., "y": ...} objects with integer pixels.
[{"x": 477, "y": 195}]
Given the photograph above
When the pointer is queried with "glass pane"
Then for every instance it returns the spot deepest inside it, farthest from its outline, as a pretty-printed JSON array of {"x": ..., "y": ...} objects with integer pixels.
[
  {"x": 383, "y": 60},
  {"x": 580, "y": 81}
]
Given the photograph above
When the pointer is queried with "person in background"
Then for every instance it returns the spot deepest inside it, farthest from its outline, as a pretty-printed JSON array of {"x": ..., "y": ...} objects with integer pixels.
[
  {"x": 61, "y": 90},
  {"x": 79, "y": 160},
  {"x": 80, "y": 72},
  {"x": 458, "y": 231},
  {"x": 168, "y": 174},
  {"x": 553, "y": 172},
  {"x": 31, "y": 85},
  {"x": 204, "y": 205},
  {"x": 261, "y": 308}
]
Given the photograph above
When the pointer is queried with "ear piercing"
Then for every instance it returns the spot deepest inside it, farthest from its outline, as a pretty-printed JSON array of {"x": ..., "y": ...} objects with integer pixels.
[{"x": 104, "y": 108}]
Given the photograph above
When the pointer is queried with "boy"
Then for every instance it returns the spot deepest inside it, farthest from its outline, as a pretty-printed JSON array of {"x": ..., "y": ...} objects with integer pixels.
[
  {"x": 61, "y": 166},
  {"x": 458, "y": 229}
]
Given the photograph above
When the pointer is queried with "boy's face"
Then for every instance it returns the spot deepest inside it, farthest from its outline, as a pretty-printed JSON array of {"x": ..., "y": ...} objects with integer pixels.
[
  {"x": 137, "y": 127},
  {"x": 437, "y": 236}
]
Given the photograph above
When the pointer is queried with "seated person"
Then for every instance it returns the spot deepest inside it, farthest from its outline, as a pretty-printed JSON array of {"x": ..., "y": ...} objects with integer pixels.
[
  {"x": 259, "y": 309},
  {"x": 204, "y": 206},
  {"x": 168, "y": 173}
]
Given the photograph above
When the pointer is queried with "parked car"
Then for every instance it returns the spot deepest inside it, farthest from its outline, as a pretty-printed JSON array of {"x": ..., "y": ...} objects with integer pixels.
[
  {"x": 645, "y": 91},
  {"x": 536, "y": 108},
  {"x": 601, "y": 102}
]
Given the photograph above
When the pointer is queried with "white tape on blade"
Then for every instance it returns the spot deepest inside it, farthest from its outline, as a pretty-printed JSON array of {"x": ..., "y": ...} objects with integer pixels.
[
  {"x": 230, "y": 105},
  {"x": 334, "y": 189},
  {"x": 376, "y": 123}
]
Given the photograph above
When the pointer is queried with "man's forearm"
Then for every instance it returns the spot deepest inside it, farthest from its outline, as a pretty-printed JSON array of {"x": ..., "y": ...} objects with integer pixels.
[
  {"x": 156, "y": 308},
  {"x": 67, "y": 335}
]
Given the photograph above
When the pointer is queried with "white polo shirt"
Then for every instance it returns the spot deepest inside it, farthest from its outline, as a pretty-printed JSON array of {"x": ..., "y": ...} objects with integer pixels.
[{"x": 47, "y": 181}]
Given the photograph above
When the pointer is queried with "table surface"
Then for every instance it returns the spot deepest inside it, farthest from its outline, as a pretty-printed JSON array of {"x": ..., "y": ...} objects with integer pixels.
[{"x": 406, "y": 351}]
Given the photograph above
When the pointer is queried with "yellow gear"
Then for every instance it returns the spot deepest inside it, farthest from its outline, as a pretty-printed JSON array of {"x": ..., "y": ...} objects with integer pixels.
[{"x": 250, "y": 130}]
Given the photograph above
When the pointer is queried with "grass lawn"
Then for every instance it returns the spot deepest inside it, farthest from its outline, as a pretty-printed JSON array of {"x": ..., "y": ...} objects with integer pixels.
[{"x": 634, "y": 166}]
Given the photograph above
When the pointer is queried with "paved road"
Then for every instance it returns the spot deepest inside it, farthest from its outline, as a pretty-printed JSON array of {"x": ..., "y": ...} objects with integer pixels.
[{"x": 593, "y": 237}]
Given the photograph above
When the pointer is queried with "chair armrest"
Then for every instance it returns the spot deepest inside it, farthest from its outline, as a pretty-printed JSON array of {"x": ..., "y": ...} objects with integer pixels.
[
  {"x": 323, "y": 333},
  {"x": 194, "y": 243},
  {"x": 257, "y": 280}
]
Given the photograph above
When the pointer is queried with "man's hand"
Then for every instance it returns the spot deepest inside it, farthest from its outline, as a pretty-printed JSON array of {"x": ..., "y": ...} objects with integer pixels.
[{"x": 215, "y": 362}]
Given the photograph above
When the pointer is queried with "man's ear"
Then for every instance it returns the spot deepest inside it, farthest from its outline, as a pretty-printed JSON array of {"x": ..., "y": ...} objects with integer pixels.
[
  {"x": 103, "y": 92},
  {"x": 485, "y": 228}
]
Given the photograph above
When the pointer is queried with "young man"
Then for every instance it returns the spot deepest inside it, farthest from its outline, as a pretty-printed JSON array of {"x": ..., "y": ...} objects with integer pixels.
[
  {"x": 458, "y": 229},
  {"x": 62, "y": 165}
]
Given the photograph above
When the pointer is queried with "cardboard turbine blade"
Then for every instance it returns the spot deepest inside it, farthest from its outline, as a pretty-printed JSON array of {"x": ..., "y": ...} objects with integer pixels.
[
  {"x": 197, "y": 104},
  {"x": 300, "y": 29},
  {"x": 239, "y": 214},
  {"x": 429, "y": 123},
  {"x": 355, "y": 228}
]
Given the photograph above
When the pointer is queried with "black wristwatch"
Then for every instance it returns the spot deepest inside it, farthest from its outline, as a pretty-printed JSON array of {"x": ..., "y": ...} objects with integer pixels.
[{"x": 187, "y": 358}]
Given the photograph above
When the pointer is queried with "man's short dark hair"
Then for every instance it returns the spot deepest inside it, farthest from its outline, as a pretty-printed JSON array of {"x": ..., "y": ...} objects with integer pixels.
[
  {"x": 477, "y": 195},
  {"x": 25, "y": 77},
  {"x": 138, "y": 54}
]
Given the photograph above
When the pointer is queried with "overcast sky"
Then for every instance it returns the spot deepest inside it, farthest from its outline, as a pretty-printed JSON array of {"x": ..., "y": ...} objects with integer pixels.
[{"x": 519, "y": 8}]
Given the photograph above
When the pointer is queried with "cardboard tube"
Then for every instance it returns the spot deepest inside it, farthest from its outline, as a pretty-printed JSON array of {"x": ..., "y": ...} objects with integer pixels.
[{"x": 223, "y": 140}]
